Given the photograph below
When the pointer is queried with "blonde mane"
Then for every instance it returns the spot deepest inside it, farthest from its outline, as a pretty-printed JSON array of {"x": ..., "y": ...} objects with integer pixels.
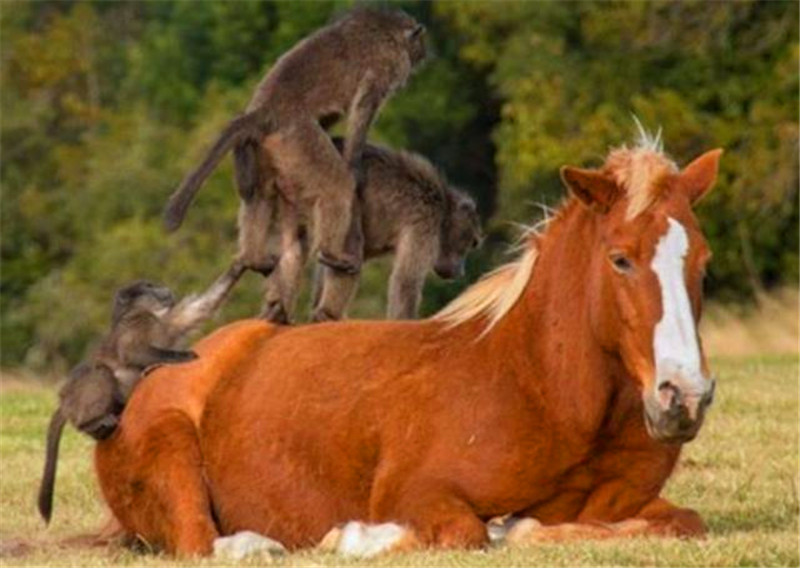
[
  {"x": 494, "y": 294},
  {"x": 640, "y": 171}
]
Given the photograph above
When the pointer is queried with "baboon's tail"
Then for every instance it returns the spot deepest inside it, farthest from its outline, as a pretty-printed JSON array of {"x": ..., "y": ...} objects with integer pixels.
[
  {"x": 50, "y": 462},
  {"x": 250, "y": 125}
]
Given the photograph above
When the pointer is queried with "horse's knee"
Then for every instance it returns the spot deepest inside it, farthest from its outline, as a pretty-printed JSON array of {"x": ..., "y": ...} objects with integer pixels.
[{"x": 437, "y": 515}]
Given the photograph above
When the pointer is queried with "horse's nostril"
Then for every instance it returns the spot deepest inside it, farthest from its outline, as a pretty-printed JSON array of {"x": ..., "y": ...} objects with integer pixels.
[{"x": 669, "y": 396}]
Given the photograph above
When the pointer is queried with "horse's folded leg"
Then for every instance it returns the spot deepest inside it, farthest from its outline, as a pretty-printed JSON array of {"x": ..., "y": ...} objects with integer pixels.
[
  {"x": 156, "y": 488},
  {"x": 665, "y": 519},
  {"x": 438, "y": 516},
  {"x": 657, "y": 518},
  {"x": 529, "y": 531}
]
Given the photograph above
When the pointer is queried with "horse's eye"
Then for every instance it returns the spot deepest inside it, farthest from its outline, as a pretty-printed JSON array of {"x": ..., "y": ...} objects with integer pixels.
[{"x": 621, "y": 263}]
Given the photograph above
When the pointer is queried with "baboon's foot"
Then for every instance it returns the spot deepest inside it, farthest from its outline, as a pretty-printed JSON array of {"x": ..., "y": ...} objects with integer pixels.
[
  {"x": 320, "y": 315},
  {"x": 275, "y": 313},
  {"x": 346, "y": 264},
  {"x": 264, "y": 266}
]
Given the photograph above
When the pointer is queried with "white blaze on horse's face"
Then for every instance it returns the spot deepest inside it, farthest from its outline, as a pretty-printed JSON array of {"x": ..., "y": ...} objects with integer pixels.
[
  {"x": 675, "y": 343},
  {"x": 681, "y": 391}
]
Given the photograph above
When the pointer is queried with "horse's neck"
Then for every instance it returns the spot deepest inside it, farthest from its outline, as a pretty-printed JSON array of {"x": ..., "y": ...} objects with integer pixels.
[{"x": 559, "y": 360}]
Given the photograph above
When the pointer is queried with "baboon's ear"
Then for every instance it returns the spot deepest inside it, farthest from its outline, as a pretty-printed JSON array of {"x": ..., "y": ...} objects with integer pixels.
[
  {"x": 699, "y": 176},
  {"x": 415, "y": 32},
  {"x": 595, "y": 190}
]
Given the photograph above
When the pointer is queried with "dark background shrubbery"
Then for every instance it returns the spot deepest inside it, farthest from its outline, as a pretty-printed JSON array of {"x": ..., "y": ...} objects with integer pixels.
[{"x": 105, "y": 105}]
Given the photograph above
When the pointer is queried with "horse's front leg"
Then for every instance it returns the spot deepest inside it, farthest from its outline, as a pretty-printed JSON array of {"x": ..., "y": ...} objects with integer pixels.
[{"x": 658, "y": 517}]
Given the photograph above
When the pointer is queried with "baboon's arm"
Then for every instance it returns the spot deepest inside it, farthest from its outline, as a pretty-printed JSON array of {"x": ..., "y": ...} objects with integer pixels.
[
  {"x": 148, "y": 355},
  {"x": 195, "y": 309},
  {"x": 414, "y": 257},
  {"x": 362, "y": 112}
]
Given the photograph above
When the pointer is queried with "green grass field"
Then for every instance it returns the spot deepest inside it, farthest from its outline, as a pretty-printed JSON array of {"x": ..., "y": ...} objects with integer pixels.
[{"x": 741, "y": 474}]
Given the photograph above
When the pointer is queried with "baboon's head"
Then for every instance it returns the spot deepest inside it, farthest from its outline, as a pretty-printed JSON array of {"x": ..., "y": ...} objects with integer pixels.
[
  {"x": 461, "y": 232},
  {"x": 404, "y": 30},
  {"x": 142, "y": 295}
]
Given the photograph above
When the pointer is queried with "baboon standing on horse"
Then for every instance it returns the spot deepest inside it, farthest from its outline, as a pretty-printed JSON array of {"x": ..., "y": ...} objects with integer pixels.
[{"x": 347, "y": 69}]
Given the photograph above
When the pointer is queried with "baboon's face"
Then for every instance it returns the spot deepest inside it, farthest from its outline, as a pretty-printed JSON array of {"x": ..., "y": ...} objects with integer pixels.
[
  {"x": 461, "y": 236},
  {"x": 143, "y": 295},
  {"x": 415, "y": 44},
  {"x": 412, "y": 35}
]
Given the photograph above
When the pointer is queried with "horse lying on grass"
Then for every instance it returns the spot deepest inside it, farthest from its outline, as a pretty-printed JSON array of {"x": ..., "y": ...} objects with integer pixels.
[{"x": 560, "y": 387}]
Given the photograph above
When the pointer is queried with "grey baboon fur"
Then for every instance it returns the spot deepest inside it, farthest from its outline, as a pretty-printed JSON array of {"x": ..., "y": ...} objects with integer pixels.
[
  {"x": 146, "y": 323},
  {"x": 346, "y": 69},
  {"x": 406, "y": 207}
]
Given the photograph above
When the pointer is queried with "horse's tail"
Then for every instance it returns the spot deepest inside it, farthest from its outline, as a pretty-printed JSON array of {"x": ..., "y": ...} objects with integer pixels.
[
  {"x": 51, "y": 461},
  {"x": 245, "y": 130}
]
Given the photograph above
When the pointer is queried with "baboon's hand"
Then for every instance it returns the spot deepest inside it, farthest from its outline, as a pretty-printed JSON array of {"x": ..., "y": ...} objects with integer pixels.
[{"x": 102, "y": 427}]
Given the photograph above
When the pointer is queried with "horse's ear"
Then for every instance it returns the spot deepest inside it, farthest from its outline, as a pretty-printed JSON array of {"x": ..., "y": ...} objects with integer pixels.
[
  {"x": 591, "y": 187},
  {"x": 699, "y": 176}
]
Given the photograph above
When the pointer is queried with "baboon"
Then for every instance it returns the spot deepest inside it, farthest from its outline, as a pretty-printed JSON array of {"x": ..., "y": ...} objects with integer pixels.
[
  {"x": 405, "y": 207},
  {"x": 348, "y": 68},
  {"x": 146, "y": 323}
]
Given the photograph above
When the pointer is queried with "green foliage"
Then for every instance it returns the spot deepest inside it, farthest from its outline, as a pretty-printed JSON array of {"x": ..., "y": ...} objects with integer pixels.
[{"x": 105, "y": 106}]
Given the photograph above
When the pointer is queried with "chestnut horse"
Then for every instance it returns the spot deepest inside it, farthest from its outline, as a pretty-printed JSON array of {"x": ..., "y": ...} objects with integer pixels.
[{"x": 559, "y": 387}]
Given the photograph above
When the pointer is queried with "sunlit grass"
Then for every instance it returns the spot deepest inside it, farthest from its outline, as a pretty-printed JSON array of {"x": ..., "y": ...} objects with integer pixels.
[{"x": 741, "y": 475}]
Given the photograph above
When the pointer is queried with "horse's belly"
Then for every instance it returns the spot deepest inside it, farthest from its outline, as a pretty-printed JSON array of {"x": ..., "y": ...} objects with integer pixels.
[{"x": 274, "y": 466}]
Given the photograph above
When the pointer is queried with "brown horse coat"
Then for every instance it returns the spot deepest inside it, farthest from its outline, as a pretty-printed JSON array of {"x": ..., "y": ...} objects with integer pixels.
[{"x": 437, "y": 425}]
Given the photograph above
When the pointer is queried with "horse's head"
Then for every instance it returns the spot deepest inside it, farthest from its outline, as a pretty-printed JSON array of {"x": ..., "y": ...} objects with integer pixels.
[{"x": 647, "y": 268}]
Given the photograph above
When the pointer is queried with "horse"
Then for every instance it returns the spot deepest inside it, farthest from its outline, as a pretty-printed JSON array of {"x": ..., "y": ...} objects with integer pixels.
[{"x": 560, "y": 387}]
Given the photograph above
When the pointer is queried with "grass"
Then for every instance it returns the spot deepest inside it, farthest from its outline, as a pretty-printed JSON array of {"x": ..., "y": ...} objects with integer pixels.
[{"x": 741, "y": 475}]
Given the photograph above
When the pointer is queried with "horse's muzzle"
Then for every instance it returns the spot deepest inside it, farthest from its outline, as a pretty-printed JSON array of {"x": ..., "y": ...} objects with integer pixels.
[{"x": 674, "y": 415}]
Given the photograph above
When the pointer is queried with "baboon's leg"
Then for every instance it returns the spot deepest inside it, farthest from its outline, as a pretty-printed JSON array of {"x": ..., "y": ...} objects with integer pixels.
[
  {"x": 305, "y": 155},
  {"x": 255, "y": 218},
  {"x": 336, "y": 293},
  {"x": 413, "y": 258},
  {"x": 279, "y": 307},
  {"x": 197, "y": 308},
  {"x": 273, "y": 307},
  {"x": 338, "y": 288}
]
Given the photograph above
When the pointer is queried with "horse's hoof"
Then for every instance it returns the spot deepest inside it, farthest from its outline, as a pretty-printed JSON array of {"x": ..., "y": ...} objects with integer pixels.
[
  {"x": 244, "y": 544},
  {"x": 522, "y": 531},
  {"x": 363, "y": 540}
]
